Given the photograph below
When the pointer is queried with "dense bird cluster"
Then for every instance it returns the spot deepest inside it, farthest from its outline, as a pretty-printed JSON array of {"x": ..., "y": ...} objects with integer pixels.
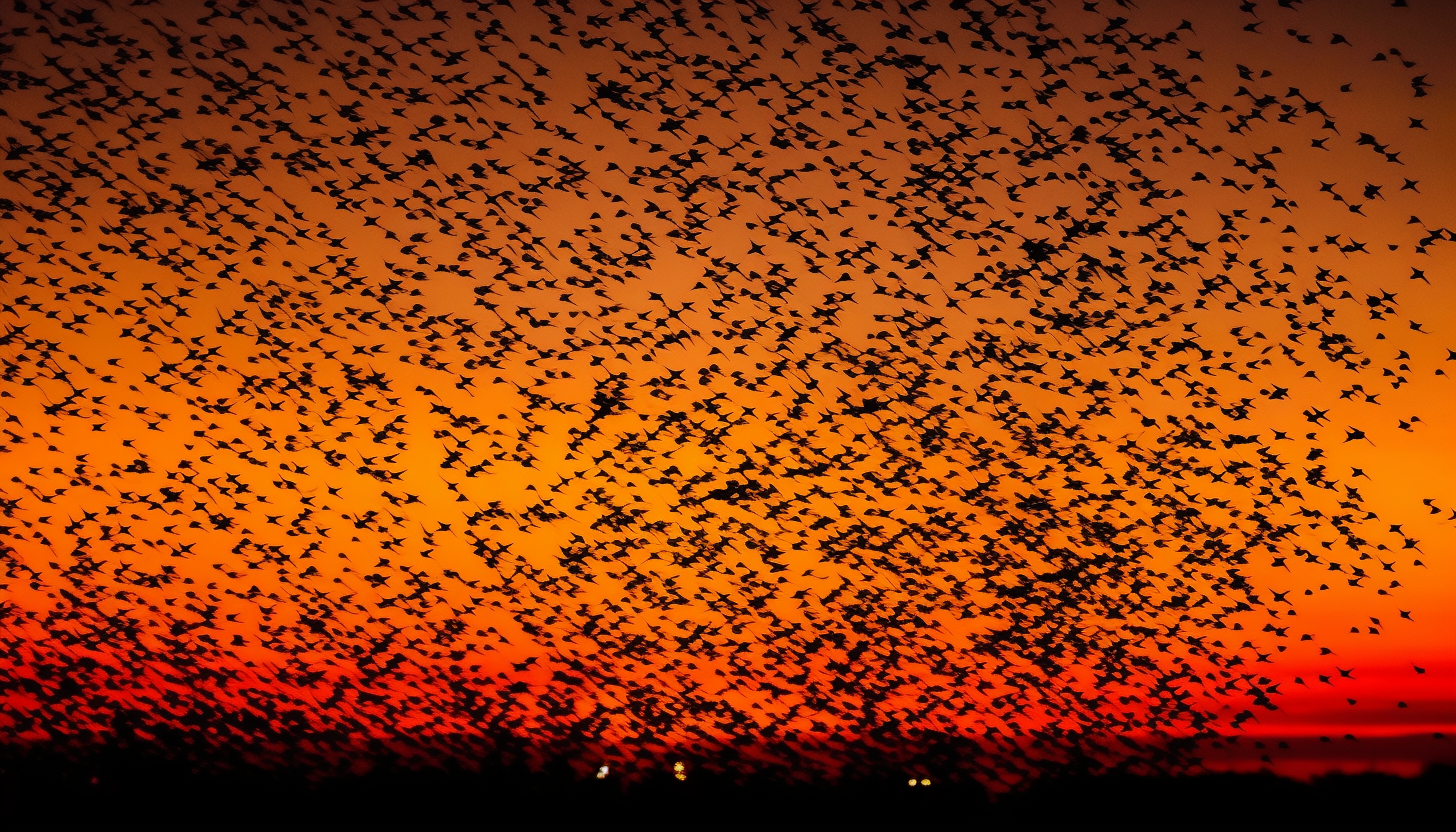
[{"x": 754, "y": 385}]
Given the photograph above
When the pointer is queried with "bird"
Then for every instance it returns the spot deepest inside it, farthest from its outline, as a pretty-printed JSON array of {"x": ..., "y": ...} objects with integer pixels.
[{"x": 896, "y": 383}]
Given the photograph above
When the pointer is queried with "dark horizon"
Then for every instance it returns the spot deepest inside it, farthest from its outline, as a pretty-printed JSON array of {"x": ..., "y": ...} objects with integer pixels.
[{"x": 122, "y": 792}]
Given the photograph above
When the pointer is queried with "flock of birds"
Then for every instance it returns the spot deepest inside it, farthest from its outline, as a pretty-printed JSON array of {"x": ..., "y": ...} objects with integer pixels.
[{"x": 966, "y": 387}]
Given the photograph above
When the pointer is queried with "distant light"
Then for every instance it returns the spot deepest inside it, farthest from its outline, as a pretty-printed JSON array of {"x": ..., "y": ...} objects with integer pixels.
[
  {"x": 925, "y": 782},
  {"x": 678, "y": 767},
  {"x": 913, "y": 781},
  {"x": 603, "y": 772}
]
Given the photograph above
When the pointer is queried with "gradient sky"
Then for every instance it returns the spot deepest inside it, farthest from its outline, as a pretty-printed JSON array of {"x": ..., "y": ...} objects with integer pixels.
[{"x": 648, "y": 380}]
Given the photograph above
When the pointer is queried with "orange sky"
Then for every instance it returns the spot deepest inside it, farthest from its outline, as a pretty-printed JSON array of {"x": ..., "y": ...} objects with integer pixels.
[{"x": 642, "y": 381}]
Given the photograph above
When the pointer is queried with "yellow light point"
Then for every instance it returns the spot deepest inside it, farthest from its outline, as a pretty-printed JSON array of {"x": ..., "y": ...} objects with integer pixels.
[
  {"x": 678, "y": 767},
  {"x": 925, "y": 782},
  {"x": 603, "y": 772},
  {"x": 913, "y": 781},
  {"x": 681, "y": 776}
]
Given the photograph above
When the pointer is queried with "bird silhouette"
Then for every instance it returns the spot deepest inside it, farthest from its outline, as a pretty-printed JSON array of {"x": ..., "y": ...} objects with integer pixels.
[{"x": 766, "y": 387}]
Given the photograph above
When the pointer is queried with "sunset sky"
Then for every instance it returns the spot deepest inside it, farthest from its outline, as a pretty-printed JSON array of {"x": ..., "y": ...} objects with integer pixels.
[{"x": 762, "y": 386}]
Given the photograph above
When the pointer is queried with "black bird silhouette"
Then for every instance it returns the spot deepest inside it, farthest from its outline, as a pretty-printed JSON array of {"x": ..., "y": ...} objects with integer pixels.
[{"x": 762, "y": 386}]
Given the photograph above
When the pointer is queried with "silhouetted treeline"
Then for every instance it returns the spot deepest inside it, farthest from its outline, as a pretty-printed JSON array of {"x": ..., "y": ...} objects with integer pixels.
[{"x": 129, "y": 788}]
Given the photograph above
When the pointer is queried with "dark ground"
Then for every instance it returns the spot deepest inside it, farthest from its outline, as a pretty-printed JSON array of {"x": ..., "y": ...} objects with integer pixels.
[{"x": 112, "y": 792}]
